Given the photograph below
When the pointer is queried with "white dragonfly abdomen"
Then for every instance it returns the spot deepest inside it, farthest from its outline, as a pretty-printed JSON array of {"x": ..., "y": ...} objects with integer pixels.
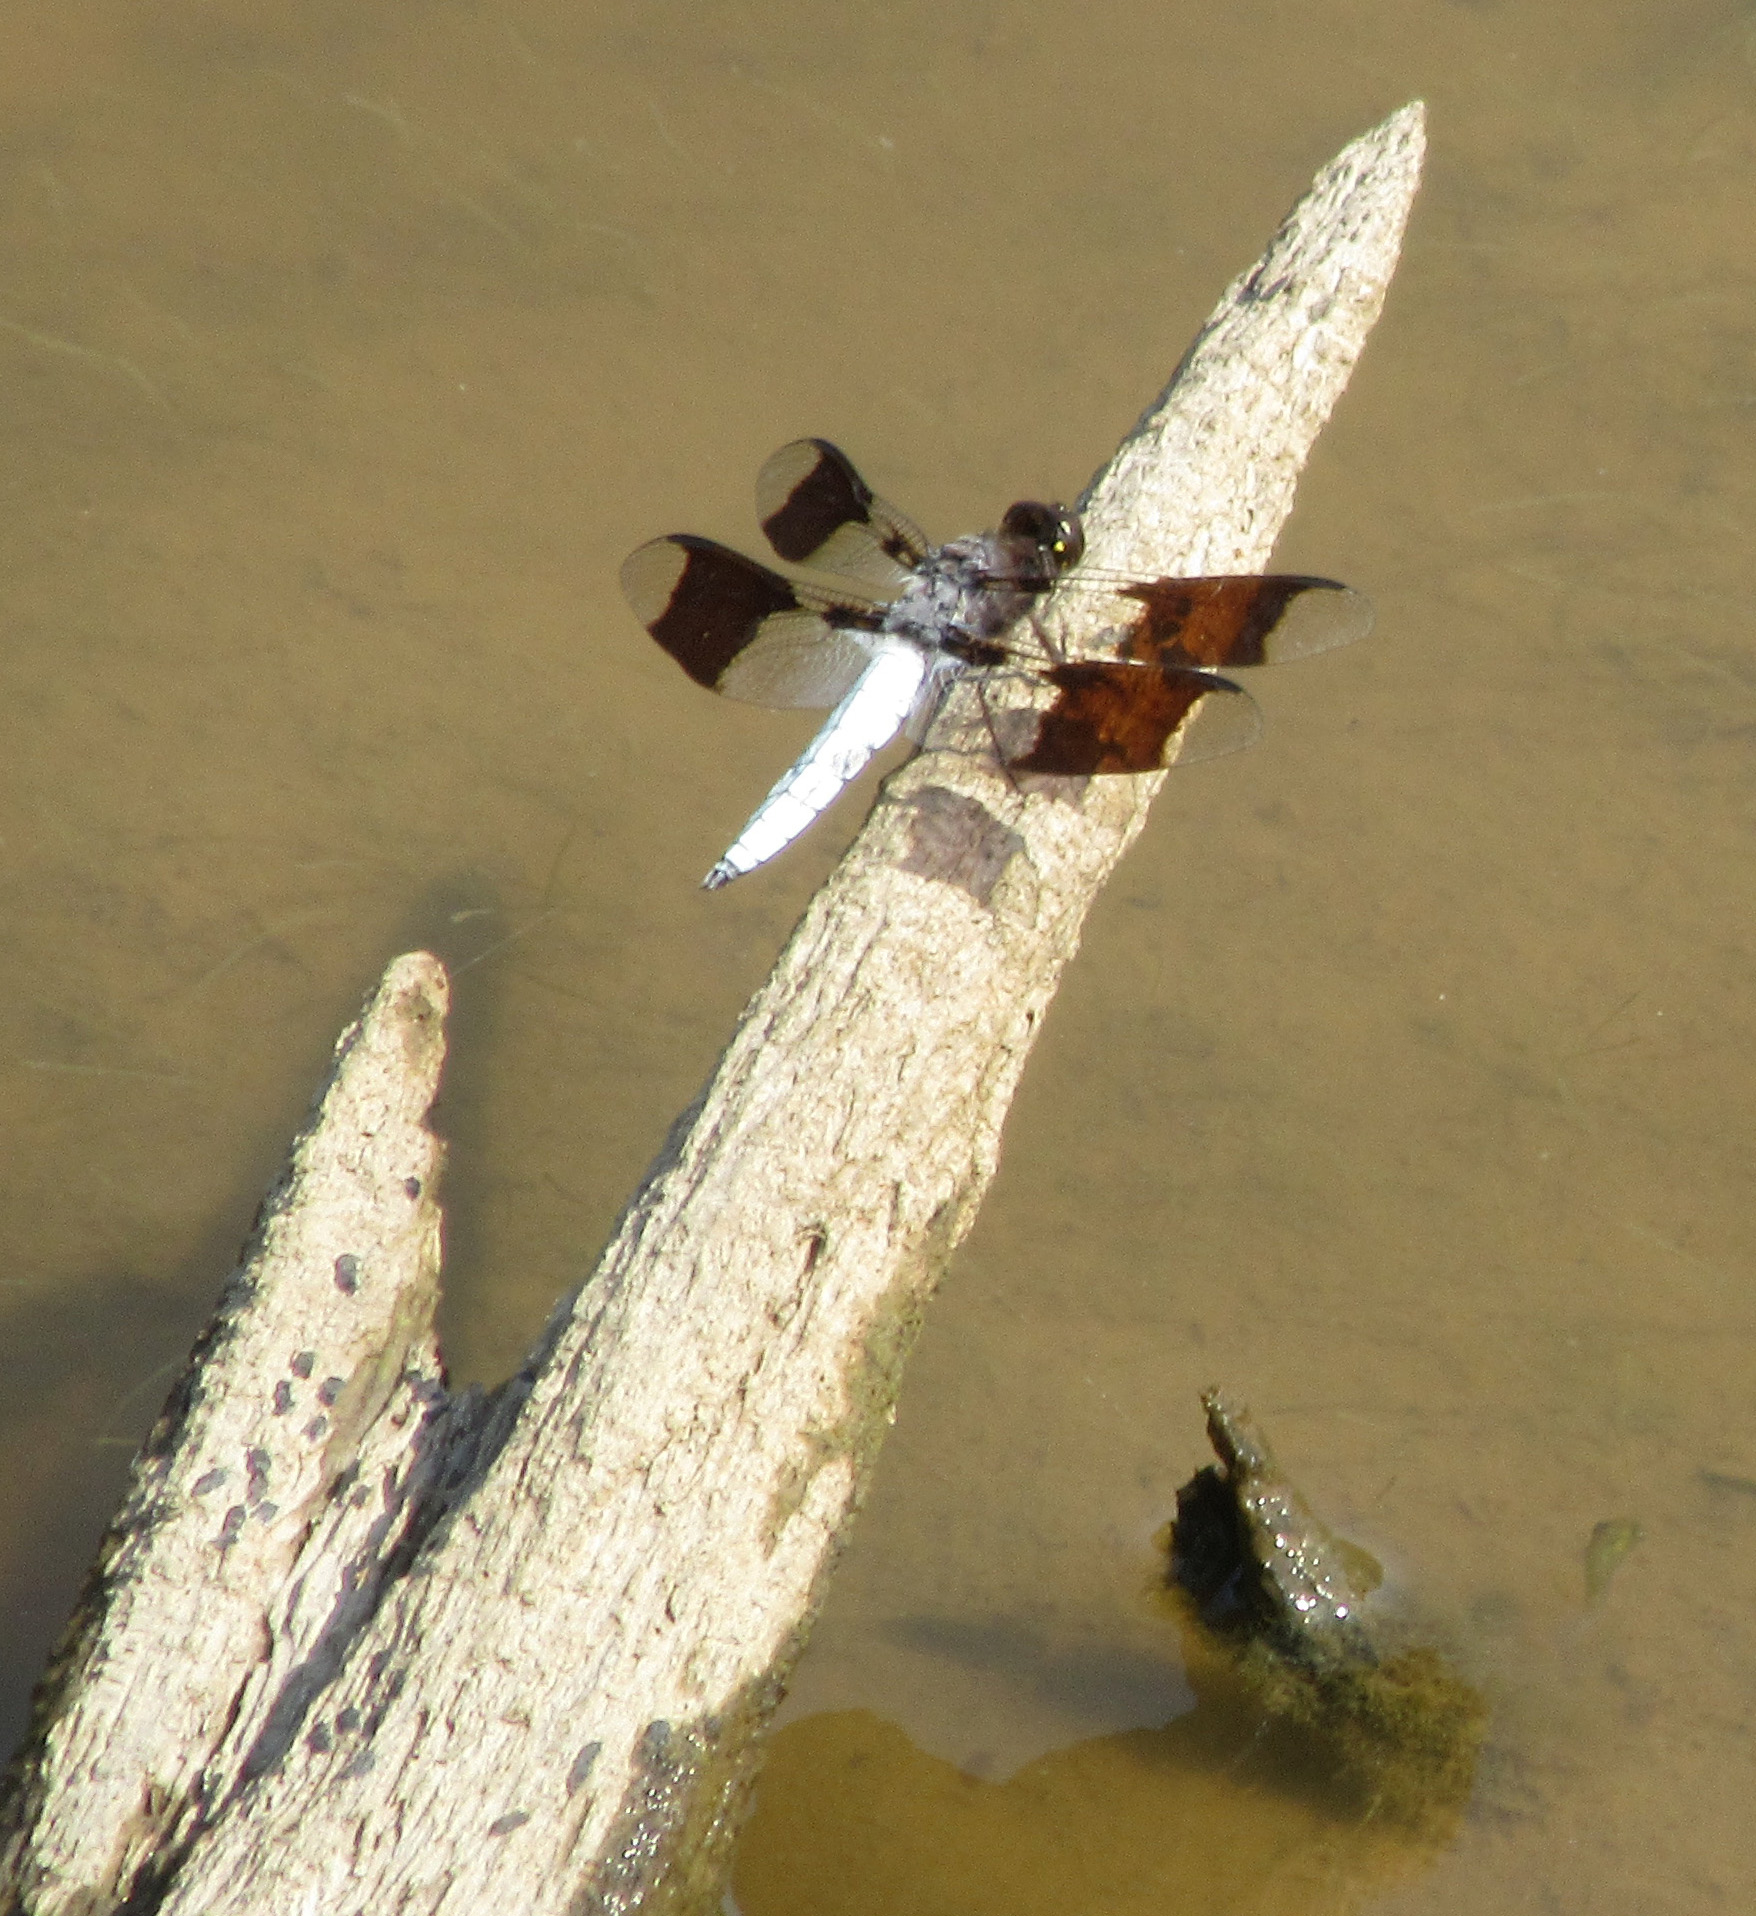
[{"x": 871, "y": 715}]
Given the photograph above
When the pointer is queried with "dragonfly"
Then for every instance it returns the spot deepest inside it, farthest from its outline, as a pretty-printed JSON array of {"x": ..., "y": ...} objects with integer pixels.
[{"x": 903, "y": 620}]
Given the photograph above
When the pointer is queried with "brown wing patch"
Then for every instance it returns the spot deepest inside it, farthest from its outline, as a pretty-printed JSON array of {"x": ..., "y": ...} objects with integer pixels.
[
  {"x": 1243, "y": 620},
  {"x": 702, "y": 601},
  {"x": 1112, "y": 717},
  {"x": 739, "y": 628},
  {"x": 815, "y": 509}
]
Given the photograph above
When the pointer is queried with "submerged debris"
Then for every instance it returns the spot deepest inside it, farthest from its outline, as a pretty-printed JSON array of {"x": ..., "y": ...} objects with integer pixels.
[
  {"x": 1396, "y": 1732},
  {"x": 1610, "y": 1542}
]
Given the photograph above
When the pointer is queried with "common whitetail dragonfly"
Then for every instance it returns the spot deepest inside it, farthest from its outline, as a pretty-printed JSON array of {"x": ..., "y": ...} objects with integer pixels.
[{"x": 883, "y": 655}]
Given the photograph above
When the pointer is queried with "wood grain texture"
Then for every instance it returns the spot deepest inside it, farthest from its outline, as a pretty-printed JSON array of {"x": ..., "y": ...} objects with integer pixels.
[{"x": 553, "y": 1709}]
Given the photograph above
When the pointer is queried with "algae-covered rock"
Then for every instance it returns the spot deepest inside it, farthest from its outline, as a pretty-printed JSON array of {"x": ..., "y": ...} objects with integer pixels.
[
  {"x": 1255, "y": 1556},
  {"x": 1391, "y": 1729}
]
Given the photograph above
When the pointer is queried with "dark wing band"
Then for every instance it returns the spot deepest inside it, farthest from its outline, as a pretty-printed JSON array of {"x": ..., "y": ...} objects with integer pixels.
[
  {"x": 1246, "y": 620},
  {"x": 816, "y": 510},
  {"x": 1109, "y": 716},
  {"x": 742, "y": 629}
]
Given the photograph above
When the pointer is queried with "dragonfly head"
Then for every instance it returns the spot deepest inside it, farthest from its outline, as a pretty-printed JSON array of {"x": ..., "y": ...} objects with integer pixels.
[{"x": 1041, "y": 541}]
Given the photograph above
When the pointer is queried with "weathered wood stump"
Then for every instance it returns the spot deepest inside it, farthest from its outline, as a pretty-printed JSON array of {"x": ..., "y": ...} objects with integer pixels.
[{"x": 352, "y": 1645}]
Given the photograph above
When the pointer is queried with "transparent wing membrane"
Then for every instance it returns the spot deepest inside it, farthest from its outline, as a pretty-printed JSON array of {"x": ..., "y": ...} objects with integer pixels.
[
  {"x": 817, "y": 511},
  {"x": 741, "y": 628}
]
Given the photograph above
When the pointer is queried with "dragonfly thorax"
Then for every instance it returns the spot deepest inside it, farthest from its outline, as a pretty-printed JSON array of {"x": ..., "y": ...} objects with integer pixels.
[{"x": 965, "y": 593}]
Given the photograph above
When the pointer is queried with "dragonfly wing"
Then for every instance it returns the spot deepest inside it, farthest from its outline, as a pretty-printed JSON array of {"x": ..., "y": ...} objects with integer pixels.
[
  {"x": 816, "y": 510},
  {"x": 1243, "y": 620},
  {"x": 1111, "y": 716},
  {"x": 796, "y": 660},
  {"x": 743, "y": 629}
]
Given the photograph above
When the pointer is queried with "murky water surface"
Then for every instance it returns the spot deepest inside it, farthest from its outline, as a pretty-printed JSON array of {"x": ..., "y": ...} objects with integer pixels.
[{"x": 1405, "y": 1085}]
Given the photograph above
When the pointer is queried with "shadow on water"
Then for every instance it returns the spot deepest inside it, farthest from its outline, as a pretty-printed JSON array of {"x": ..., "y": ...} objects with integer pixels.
[
  {"x": 67, "y": 1438},
  {"x": 1121, "y": 1680}
]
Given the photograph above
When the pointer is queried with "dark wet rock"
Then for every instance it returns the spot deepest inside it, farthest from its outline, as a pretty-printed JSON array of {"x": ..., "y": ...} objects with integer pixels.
[
  {"x": 1256, "y": 1557},
  {"x": 1387, "y": 1727}
]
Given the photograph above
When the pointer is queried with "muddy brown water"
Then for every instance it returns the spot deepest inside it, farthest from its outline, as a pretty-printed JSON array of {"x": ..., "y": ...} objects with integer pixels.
[{"x": 1405, "y": 1084}]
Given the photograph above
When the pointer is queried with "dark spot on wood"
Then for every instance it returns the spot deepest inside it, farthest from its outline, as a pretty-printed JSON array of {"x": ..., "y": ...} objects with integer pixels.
[
  {"x": 505, "y": 1825},
  {"x": 347, "y": 1273},
  {"x": 583, "y": 1764},
  {"x": 316, "y": 1429},
  {"x": 304, "y": 1363},
  {"x": 347, "y": 1720},
  {"x": 319, "y": 1740},
  {"x": 283, "y": 1398},
  {"x": 654, "y": 1810},
  {"x": 412, "y": 1186},
  {"x": 209, "y": 1480},
  {"x": 361, "y": 1765},
  {"x": 958, "y": 841},
  {"x": 668, "y": 1844},
  {"x": 267, "y": 1512},
  {"x": 232, "y": 1524},
  {"x": 329, "y": 1390}
]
